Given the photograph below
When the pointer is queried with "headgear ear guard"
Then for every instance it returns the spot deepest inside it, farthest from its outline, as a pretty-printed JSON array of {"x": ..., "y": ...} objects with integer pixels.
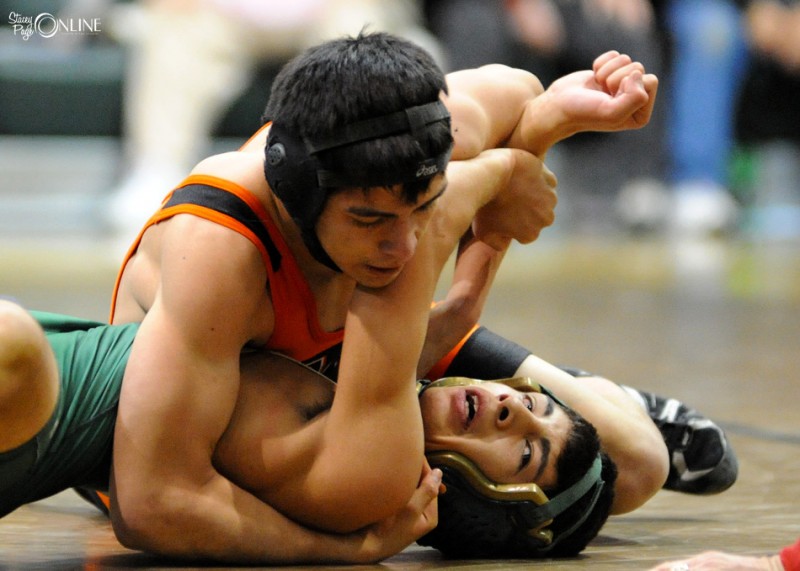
[
  {"x": 297, "y": 178},
  {"x": 505, "y": 520}
]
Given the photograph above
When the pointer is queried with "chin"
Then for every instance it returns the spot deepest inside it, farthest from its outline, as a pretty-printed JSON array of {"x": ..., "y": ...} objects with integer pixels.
[{"x": 371, "y": 280}]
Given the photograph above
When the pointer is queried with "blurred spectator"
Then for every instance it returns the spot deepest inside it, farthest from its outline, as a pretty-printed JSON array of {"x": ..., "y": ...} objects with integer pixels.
[
  {"x": 768, "y": 118},
  {"x": 551, "y": 38},
  {"x": 190, "y": 59},
  {"x": 707, "y": 61}
]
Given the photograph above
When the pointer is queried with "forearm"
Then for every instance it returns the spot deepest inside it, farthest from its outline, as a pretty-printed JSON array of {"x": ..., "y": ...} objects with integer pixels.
[
  {"x": 474, "y": 273},
  {"x": 615, "y": 95},
  {"x": 227, "y": 524},
  {"x": 541, "y": 126},
  {"x": 454, "y": 317},
  {"x": 375, "y": 419}
]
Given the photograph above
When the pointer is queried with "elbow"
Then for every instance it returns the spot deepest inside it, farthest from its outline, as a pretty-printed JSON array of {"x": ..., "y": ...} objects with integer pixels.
[
  {"x": 379, "y": 494},
  {"x": 131, "y": 531},
  {"x": 641, "y": 475},
  {"x": 513, "y": 77},
  {"x": 371, "y": 508},
  {"x": 135, "y": 522},
  {"x": 150, "y": 522}
]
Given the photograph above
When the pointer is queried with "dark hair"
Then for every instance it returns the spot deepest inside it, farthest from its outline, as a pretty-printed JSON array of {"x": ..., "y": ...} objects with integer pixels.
[
  {"x": 472, "y": 527},
  {"x": 351, "y": 79},
  {"x": 583, "y": 444}
]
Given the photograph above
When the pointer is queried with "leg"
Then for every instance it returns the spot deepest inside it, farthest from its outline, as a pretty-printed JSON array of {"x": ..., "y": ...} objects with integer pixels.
[
  {"x": 709, "y": 51},
  {"x": 28, "y": 377},
  {"x": 172, "y": 104}
]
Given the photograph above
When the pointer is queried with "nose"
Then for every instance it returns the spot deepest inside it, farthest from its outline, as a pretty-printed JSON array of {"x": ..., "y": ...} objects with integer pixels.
[
  {"x": 512, "y": 414},
  {"x": 401, "y": 240}
]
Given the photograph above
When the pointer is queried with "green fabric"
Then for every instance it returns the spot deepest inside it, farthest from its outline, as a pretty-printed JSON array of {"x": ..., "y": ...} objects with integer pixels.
[{"x": 74, "y": 449}]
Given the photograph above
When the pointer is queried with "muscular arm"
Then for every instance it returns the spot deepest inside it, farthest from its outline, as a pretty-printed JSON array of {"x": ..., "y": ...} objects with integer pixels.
[
  {"x": 179, "y": 391},
  {"x": 372, "y": 447},
  {"x": 496, "y": 105},
  {"x": 486, "y": 105},
  {"x": 481, "y": 252},
  {"x": 475, "y": 268}
]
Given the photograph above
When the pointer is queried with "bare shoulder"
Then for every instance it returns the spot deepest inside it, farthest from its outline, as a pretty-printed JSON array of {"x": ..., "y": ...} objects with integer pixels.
[
  {"x": 198, "y": 258},
  {"x": 244, "y": 167}
]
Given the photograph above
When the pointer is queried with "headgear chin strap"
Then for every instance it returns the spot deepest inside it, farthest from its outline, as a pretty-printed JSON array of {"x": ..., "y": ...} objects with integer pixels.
[
  {"x": 296, "y": 176},
  {"x": 527, "y": 505}
]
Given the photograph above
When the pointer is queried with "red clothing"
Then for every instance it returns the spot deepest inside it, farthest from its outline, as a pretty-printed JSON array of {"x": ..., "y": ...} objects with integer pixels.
[
  {"x": 790, "y": 557},
  {"x": 297, "y": 331}
]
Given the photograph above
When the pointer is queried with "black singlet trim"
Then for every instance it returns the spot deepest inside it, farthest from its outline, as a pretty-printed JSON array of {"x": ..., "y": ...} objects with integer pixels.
[{"x": 231, "y": 205}]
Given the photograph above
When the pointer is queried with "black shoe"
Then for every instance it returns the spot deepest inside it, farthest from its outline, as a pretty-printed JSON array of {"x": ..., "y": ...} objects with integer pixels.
[{"x": 701, "y": 459}]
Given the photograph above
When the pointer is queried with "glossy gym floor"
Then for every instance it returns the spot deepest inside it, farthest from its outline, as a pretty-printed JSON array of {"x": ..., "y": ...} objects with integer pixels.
[{"x": 713, "y": 322}]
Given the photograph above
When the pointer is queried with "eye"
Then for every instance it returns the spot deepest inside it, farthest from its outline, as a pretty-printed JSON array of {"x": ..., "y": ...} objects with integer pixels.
[
  {"x": 366, "y": 223},
  {"x": 428, "y": 205},
  {"x": 528, "y": 402},
  {"x": 526, "y": 455}
]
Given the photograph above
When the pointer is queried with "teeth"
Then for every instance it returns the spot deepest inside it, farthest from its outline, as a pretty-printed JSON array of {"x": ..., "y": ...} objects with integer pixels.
[{"x": 470, "y": 407}]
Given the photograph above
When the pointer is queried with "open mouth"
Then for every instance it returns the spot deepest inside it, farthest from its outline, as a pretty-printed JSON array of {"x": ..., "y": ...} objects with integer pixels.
[{"x": 471, "y": 405}]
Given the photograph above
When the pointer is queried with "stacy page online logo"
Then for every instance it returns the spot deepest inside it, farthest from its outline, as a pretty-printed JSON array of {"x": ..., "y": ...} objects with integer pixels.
[{"x": 46, "y": 25}]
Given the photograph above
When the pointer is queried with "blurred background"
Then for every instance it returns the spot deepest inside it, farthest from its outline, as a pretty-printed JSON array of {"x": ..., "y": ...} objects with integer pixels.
[
  {"x": 674, "y": 261},
  {"x": 104, "y": 105}
]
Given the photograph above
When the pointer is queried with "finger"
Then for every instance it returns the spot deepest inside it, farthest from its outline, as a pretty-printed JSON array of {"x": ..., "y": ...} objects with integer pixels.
[
  {"x": 427, "y": 504},
  {"x": 631, "y": 108},
  {"x": 550, "y": 177},
  {"x": 427, "y": 490},
  {"x": 603, "y": 59},
  {"x": 427, "y": 520},
  {"x": 650, "y": 84},
  {"x": 617, "y": 76},
  {"x": 423, "y": 503},
  {"x": 642, "y": 116},
  {"x": 499, "y": 242},
  {"x": 605, "y": 71}
]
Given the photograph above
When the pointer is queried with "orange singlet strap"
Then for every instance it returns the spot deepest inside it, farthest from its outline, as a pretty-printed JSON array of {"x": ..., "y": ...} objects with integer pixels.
[{"x": 440, "y": 368}]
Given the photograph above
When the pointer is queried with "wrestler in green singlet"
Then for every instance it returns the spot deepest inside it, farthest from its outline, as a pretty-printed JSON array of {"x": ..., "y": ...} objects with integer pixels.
[{"x": 74, "y": 447}]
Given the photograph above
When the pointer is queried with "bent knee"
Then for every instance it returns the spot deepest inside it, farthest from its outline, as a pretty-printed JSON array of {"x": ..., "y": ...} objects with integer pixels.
[
  {"x": 28, "y": 376},
  {"x": 20, "y": 345}
]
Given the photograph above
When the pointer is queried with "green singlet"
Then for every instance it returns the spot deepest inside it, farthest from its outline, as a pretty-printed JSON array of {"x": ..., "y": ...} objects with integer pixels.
[{"x": 74, "y": 447}]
